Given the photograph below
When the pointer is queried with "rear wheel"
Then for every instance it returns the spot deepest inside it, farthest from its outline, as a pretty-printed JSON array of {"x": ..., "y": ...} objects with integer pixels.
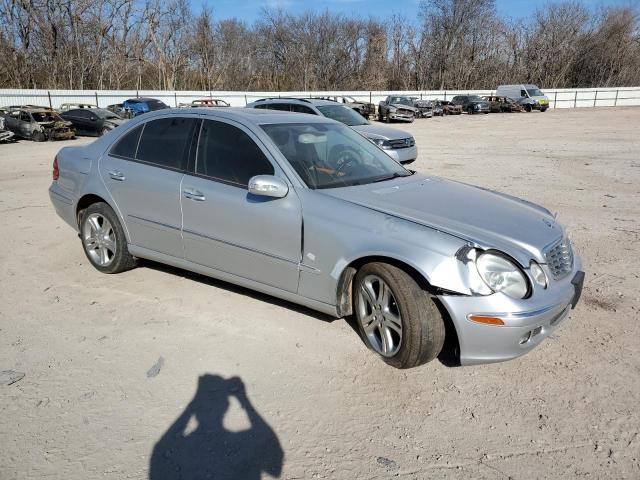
[
  {"x": 38, "y": 136},
  {"x": 396, "y": 318},
  {"x": 103, "y": 240}
]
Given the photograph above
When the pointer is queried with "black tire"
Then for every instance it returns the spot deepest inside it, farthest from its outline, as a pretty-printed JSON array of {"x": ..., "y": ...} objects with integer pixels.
[
  {"x": 380, "y": 117},
  {"x": 543, "y": 109},
  {"x": 527, "y": 108},
  {"x": 470, "y": 110},
  {"x": 423, "y": 329},
  {"x": 122, "y": 260},
  {"x": 386, "y": 118},
  {"x": 38, "y": 137}
]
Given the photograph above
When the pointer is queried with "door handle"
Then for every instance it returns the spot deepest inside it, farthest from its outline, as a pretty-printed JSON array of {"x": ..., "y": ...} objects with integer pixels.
[
  {"x": 116, "y": 175},
  {"x": 194, "y": 195}
]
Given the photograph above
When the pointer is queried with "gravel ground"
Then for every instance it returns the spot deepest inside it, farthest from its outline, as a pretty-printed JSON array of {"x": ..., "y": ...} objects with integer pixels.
[{"x": 126, "y": 371}]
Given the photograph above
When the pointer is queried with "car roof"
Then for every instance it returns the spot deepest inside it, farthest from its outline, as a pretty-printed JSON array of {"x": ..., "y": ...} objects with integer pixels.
[{"x": 254, "y": 116}]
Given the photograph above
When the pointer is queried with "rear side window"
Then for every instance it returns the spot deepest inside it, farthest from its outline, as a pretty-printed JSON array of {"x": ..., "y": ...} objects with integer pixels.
[
  {"x": 228, "y": 154},
  {"x": 165, "y": 142},
  {"x": 126, "y": 147},
  {"x": 301, "y": 109},
  {"x": 285, "y": 107}
]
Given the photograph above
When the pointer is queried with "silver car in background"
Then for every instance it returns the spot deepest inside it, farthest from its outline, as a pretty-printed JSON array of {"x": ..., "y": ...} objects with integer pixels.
[
  {"x": 396, "y": 143},
  {"x": 305, "y": 209}
]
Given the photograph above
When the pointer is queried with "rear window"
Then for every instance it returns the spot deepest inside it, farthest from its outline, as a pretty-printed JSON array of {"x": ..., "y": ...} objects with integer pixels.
[
  {"x": 165, "y": 142},
  {"x": 126, "y": 147}
]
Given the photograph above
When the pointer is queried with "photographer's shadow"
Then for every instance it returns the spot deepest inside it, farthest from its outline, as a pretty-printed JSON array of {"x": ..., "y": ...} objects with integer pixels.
[{"x": 197, "y": 445}]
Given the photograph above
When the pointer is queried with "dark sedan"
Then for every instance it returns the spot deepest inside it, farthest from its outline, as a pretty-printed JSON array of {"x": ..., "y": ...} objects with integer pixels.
[
  {"x": 92, "y": 121},
  {"x": 471, "y": 104}
]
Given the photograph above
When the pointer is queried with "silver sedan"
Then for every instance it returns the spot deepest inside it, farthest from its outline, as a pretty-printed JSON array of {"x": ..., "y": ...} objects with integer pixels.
[{"x": 305, "y": 209}]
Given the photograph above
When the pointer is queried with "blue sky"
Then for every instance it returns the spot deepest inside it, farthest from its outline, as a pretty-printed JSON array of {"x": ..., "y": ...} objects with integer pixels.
[{"x": 248, "y": 10}]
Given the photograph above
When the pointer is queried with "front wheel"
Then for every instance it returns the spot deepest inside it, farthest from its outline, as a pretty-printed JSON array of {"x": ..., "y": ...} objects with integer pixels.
[
  {"x": 470, "y": 110},
  {"x": 527, "y": 108},
  {"x": 103, "y": 240},
  {"x": 396, "y": 318}
]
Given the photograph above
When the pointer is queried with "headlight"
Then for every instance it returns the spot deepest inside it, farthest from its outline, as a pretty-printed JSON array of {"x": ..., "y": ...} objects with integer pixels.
[
  {"x": 502, "y": 275},
  {"x": 384, "y": 144},
  {"x": 538, "y": 274}
]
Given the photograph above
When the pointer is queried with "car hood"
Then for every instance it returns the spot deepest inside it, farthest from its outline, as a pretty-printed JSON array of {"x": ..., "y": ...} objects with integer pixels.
[
  {"x": 378, "y": 131},
  {"x": 402, "y": 105},
  {"x": 115, "y": 121},
  {"x": 480, "y": 216}
]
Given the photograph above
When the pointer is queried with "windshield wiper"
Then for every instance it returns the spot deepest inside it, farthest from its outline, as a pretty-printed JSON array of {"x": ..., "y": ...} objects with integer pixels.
[{"x": 391, "y": 177}]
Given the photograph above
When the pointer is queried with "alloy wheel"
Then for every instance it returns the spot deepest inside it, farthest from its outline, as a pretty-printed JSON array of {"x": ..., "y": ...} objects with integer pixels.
[
  {"x": 99, "y": 239},
  {"x": 379, "y": 315}
]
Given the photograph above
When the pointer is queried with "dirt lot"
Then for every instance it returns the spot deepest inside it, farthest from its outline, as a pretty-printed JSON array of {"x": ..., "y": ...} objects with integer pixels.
[{"x": 112, "y": 363}]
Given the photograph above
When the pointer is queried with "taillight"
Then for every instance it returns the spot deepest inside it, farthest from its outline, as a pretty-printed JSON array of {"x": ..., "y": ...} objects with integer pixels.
[{"x": 56, "y": 172}]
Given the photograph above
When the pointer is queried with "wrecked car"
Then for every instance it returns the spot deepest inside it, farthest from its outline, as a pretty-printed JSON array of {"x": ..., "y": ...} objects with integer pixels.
[
  {"x": 425, "y": 107},
  {"x": 500, "y": 104},
  {"x": 366, "y": 109},
  {"x": 397, "y": 108},
  {"x": 438, "y": 108},
  {"x": 471, "y": 104},
  {"x": 5, "y": 135},
  {"x": 449, "y": 108},
  {"x": 306, "y": 209},
  {"x": 207, "y": 103},
  {"x": 71, "y": 106},
  {"x": 38, "y": 124},
  {"x": 92, "y": 121},
  {"x": 137, "y": 106}
]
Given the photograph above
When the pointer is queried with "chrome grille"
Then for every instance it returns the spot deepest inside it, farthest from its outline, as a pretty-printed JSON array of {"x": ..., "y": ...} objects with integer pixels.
[
  {"x": 405, "y": 112},
  {"x": 560, "y": 258},
  {"x": 402, "y": 143}
]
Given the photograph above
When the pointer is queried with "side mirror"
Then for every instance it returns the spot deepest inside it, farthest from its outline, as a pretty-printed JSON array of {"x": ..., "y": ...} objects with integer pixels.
[{"x": 268, "y": 186}]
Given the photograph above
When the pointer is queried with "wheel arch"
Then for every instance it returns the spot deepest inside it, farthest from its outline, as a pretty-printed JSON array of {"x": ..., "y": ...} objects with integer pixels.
[
  {"x": 344, "y": 298},
  {"x": 85, "y": 201}
]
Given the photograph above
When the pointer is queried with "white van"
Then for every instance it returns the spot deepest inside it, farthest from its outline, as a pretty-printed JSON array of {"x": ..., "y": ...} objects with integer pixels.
[{"x": 529, "y": 96}]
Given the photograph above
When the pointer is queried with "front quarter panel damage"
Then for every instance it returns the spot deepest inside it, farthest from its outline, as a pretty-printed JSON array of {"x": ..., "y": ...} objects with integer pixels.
[{"x": 332, "y": 242}]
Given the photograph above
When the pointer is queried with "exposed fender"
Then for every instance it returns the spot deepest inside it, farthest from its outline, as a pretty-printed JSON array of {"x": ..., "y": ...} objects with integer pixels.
[{"x": 330, "y": 246}]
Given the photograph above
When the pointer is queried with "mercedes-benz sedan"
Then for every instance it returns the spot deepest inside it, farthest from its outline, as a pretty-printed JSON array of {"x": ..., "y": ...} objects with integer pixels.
[{"x": 304, "y": 208}]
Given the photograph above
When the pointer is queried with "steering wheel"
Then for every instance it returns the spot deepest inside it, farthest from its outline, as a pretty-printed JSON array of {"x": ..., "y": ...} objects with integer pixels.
[{"x": 344, "y": 157}]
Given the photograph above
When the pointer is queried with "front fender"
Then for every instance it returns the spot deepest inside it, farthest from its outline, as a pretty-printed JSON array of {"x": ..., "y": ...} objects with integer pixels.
[{"x": 333, "y": 242}]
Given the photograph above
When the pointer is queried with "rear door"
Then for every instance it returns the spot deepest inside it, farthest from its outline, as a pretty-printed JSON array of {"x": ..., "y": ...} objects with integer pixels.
[
  {"x": 227, "y": 228},
  {"x": 143, "y": 172}
]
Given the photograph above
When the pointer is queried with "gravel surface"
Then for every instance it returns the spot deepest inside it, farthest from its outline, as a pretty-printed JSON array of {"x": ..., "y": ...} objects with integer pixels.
[{"x": 165, "y": 374}]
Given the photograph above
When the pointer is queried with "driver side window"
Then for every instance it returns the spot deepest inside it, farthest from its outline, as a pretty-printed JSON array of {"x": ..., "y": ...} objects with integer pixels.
[{"x": 228, "y": 154}]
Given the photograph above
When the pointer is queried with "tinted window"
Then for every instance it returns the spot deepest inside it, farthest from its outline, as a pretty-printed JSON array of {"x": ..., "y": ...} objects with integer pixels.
[
  {"x": 227, "y": 153},
  {"x": 79, "y": 113},
  {"x": 127, "y": 145},
  {"x": 302, "y": 109},
  {"x": 285, "y": 107},
  {"x": 165, "y": 142}
]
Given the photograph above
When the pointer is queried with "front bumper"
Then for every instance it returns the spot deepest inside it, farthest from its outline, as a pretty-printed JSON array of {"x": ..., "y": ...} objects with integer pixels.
[
  {"x": 526, "y": 322},
  {"x": 401, "y": 117},
  {"x": 403, "y": 155}
]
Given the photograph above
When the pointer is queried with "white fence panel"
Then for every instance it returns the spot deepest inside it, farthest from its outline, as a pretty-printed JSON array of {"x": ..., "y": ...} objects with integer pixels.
[{"x": 559, "y": 98}]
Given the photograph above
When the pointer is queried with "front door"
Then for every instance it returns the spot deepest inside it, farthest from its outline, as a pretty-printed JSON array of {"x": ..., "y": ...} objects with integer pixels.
[{"x": 227, "y": 228}]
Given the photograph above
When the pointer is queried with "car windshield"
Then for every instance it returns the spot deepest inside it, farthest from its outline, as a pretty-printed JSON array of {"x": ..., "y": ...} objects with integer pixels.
[
  {"x": 534, "y": 92},
  {"x": 401, "y": 100},
  {"x": 330, "y": 155},
  {"x": 475, "y": 98},
  {"x": 342, "y": 114},
  {"x": 45, "y": 117},
  {"x": 106, "y": 114},
  {"x": 156, "y": 105}
]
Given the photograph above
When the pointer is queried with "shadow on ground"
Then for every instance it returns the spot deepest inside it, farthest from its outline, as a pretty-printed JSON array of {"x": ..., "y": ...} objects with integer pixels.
[{"x": 197, "y": 445}]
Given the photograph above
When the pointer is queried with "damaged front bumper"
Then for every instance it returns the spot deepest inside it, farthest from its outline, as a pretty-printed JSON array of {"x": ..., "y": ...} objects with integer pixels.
[{"x": 527, "y": 322}]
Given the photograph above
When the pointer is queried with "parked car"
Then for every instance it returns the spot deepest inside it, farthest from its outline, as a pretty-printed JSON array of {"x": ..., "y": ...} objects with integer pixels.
[
  {"x": 499, "y": 104},
  {"x": 207, "y": 102},
  {"x": 366, "y": 109},
  {"x": 450, "y": 108},
  {"x": 397, "y": 108},
  {"x": 471, "y": 104},
  {"x": 424, "y": 107},
  {"x": 38, "y": 124},
  {"x": 398, "y": 144},
  {"x": 5, "y": 135},
  {"x": 438, "y": 108},
  {"x": 92, "y": 121},
  {"x": 305, "y": 209},
  {"x": 529, "y": 96},
  {"x": 137, "y": 106},
  {"x": 72, "y": 106}
]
